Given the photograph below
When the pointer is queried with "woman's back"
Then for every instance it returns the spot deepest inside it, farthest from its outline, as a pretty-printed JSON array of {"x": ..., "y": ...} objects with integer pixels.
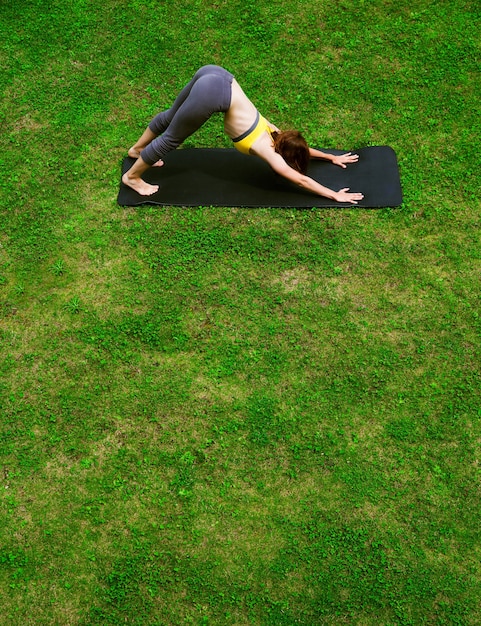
[{"x": 241, "y": 113}]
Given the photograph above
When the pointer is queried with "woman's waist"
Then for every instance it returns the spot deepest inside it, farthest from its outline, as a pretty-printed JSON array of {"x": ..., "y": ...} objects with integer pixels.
[{"x": 240, "y": 124}]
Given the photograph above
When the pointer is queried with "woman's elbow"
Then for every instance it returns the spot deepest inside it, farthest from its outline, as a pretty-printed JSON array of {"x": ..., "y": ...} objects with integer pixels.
[{"x": 304, "y": 181}]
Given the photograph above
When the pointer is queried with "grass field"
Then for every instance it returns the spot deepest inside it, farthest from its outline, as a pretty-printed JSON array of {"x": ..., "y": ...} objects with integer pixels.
[{"x": 229, "y": 416}]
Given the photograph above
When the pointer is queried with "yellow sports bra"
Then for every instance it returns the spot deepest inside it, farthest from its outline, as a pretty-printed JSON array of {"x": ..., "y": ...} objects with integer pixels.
[{"x": 244, "y": 142}]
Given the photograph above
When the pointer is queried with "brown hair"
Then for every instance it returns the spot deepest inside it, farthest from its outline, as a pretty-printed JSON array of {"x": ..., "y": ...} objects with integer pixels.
[{"x": 293, "y": 148}]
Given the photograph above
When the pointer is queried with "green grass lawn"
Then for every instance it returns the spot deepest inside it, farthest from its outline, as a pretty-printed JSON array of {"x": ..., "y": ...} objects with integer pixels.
[{"x": 236, "y": 416}]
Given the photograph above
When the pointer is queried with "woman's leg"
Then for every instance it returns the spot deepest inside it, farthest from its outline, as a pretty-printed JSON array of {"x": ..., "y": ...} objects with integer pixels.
[
  {"x": 208, "y": 92},
  {"x": 132, "y": 178},
  {"x": 162, "y": 120},
  {"x": 143, "y": 141}
]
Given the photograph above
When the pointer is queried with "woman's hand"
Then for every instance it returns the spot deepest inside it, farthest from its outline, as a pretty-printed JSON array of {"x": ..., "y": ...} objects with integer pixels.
[
  {"x": 343, "y": 196},
  {"x": 345, "y": 159}
]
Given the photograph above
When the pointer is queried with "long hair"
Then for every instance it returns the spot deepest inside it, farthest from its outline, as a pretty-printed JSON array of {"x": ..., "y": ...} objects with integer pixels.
[{"x": 293, "y": 148}]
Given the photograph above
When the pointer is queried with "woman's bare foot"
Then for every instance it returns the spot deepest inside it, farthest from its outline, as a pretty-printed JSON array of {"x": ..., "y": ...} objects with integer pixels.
[
  {"x": 139, "y": 185},
  {"x": 134, "y": 153},
  {"x": 158, "y": 163}
]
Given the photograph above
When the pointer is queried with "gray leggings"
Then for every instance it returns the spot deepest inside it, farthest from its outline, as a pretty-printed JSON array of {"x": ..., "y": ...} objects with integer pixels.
[{"x": 207, "y": 93}]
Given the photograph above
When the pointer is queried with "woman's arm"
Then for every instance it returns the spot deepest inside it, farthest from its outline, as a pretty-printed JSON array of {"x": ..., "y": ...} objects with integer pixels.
[
  {"x": 341, "y": 159},
  {"x": 280, "y": 167}
]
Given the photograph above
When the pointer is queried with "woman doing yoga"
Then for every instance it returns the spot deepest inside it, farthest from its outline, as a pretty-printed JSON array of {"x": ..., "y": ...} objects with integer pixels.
[{"x": 215, "y": 90}]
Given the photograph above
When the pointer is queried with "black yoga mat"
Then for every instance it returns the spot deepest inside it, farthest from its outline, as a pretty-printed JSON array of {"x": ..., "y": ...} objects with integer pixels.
[{"x": 225, "y": 177}]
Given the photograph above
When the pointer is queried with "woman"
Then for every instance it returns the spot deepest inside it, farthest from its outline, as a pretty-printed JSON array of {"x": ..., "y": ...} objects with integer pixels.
[{"x": 215, "y": 90}]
